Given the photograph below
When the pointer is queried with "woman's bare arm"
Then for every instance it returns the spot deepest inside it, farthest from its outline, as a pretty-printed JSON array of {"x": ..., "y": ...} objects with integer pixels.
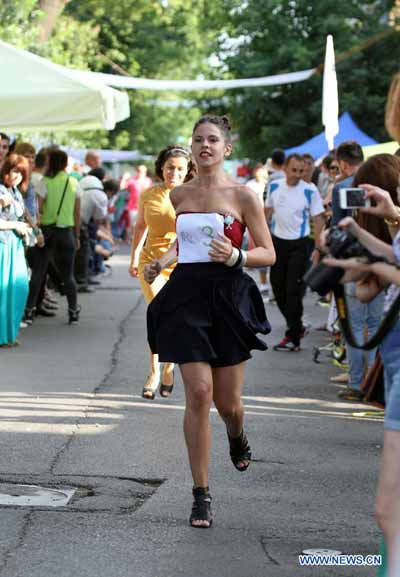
[
  {"x": 137, "y": 241},
  {"x": 152, "y": 270},
  {"x": 373, "y": 244},
  {"x": 253, "y": 214}
]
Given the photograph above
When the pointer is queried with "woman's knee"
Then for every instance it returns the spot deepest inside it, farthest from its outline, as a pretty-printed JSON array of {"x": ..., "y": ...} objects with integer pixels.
[
  {"x": 229, "y": 410},
  {"x": 387, "y": 512},
  {"x": 383, "y": 511},
  {"x": 199, "y": 394}
]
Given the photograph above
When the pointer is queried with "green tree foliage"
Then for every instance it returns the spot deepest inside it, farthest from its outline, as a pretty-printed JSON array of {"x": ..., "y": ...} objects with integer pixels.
[
  {"x": 19, "y": 22},
  {"x": 225, "y": 38},
  {"x": 153, "y": 39},
  {"x": 285, "y": 36}
]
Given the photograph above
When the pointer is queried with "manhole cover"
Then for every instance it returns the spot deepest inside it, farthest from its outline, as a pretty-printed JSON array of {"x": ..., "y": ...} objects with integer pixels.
[
  {"x": 34, "y": 496},
  {"x": 321, "y": 552}
]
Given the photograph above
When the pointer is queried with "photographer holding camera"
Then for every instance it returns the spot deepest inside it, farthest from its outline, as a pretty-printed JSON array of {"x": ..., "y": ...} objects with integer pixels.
[
  {"x": 381, "y": 170},
  {"x": 371, "y": 277}
]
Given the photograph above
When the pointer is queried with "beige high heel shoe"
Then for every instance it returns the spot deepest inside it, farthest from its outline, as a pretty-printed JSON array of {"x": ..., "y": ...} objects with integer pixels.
[{"x": 150, "y": 387}]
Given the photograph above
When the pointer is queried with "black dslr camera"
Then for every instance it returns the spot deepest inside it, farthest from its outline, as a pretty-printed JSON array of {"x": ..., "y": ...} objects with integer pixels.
[{"x": 342, "y": 244}]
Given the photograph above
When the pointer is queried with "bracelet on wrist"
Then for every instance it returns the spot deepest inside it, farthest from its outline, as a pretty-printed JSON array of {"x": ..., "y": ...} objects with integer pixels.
[
  {"x": 244, "y": 258},
  {"x": 237, "y": 259},
  {"x": 235, "y": 255},
  {"x": 393, "y": 221}
]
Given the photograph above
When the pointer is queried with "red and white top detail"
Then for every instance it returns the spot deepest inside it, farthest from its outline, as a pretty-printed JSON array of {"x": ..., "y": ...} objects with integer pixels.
[{"x": 196, "y": 230}]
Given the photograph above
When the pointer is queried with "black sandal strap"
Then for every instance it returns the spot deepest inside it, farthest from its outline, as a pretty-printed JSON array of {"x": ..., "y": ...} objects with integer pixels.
[
  {"x": 166, "y": 390},
  {"x": 239, "y": 450},
  {"x": 201, "y": 509}
]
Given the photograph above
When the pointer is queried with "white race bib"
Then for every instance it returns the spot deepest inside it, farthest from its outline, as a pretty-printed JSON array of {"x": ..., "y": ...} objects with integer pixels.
[{"x": 195, "y": 231}]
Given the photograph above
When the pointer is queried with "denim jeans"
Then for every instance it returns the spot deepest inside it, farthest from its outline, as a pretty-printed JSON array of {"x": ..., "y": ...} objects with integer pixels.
[
  {"x": 362, "y": 316},
  {"x": 390, "y": 352}
]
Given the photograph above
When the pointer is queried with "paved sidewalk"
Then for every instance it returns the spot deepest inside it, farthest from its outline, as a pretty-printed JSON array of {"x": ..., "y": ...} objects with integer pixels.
[{"x": 71, "y": 414}]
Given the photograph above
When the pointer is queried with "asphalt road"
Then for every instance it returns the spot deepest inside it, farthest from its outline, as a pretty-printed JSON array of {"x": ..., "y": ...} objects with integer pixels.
[{"x": 71, "y": 415}]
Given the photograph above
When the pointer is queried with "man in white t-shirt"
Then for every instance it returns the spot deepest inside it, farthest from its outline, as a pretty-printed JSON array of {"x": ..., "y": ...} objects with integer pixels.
[{"x": 291, "y": 203}]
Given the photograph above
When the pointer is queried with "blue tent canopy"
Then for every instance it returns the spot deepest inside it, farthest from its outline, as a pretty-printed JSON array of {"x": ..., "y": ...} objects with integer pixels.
[{"x": 348, "y": 130}]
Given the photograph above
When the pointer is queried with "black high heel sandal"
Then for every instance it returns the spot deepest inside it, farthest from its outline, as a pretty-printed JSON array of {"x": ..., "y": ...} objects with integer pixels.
[
  {"x": 166, "y": 390},
  {"x": 201, "y": 509},
  {"x": 239, "y": 450}
]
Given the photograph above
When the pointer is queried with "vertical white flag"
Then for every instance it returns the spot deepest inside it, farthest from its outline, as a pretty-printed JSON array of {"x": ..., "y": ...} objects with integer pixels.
[{"x": 330, "y": 103}]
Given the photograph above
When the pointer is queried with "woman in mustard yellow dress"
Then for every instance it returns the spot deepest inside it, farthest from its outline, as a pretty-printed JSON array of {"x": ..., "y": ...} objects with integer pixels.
[{"x": 156, "y": 223}]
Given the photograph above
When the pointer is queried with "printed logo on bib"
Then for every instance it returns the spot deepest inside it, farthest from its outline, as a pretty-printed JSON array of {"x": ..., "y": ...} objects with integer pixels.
[
  {"x": 208, "y": 231},
  {"x": 195, "y": 231}
]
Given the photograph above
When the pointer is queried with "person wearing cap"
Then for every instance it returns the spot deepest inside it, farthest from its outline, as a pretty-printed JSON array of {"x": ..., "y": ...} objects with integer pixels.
[{"x": 94, "y": 204}]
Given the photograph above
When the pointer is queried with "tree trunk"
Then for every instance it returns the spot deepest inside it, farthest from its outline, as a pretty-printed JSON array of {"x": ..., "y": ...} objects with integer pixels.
[{"x": 51, "y": 9}]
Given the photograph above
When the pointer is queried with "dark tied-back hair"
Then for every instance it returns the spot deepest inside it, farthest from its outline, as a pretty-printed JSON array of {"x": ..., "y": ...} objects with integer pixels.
[
  {"x": 381, "y": 170},
  {"x": 222, "y": 122},
  {"x": 12, "y": 162},
  {"x": 57, "y": 161},
  {"x": 278, "y": 156},
  {"x": 172, "y": 151},
  {"x": 351, "y": 152},
  {"x": 41, "y": 158}
]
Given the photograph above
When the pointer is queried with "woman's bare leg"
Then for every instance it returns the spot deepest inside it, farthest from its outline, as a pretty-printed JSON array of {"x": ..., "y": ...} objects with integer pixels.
[
  {"x": 388, "y": 499},
  {"x": 154, "y": 376},
  {"x": 168, "y": 374},
  {"x": 197, "y": 378},
  {"x": 228, "y": 385}
]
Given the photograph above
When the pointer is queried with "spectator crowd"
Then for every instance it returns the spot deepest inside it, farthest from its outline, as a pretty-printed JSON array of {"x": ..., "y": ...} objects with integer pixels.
[{"x": 60, "y": 223}]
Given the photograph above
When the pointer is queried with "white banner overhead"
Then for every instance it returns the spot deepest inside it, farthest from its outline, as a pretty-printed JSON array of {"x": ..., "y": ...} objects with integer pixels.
[{"x": 191, "y": 85}]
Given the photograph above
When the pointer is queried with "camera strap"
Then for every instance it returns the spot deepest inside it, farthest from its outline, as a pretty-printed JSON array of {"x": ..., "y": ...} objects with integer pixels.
[{"x": 345, "y": 322}]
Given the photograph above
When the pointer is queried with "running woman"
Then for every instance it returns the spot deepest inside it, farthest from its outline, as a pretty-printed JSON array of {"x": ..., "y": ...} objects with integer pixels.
[{"x": 206, "y": 317}]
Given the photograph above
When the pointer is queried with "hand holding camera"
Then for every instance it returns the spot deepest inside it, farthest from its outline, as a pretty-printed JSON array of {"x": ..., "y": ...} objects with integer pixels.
[
  {"x": 353, "y": 198},
  {"x": 343, "y": 246},
  {"x": 383, "y": 203}
]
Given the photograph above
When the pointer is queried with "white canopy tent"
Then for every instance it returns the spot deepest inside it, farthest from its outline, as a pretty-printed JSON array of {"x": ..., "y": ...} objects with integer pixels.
[{"x": 36, "y": 94}]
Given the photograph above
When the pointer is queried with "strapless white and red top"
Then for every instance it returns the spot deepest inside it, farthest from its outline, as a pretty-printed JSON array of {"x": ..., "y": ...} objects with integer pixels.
[{"x": 196, "y": 230}]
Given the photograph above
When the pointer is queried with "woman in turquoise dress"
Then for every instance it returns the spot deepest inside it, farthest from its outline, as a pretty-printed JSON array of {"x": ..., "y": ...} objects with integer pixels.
[{"x": 13, "y": 271}]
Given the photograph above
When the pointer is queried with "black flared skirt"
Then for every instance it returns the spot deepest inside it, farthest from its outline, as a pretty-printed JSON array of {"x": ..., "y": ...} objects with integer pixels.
[{"x": 207, "y": 312}]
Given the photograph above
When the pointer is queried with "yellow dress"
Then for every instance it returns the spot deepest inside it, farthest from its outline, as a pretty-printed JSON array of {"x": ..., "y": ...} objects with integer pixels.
[{"x": 159, "y": 216}]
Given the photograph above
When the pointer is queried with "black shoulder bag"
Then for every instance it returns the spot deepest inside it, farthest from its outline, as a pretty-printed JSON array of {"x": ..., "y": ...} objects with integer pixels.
[{"x": 50, "y": 229}]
